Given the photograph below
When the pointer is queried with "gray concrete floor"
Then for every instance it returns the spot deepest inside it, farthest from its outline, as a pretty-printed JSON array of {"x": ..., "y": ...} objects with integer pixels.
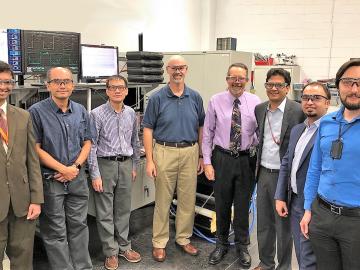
[{"x": 140, "y": 233}]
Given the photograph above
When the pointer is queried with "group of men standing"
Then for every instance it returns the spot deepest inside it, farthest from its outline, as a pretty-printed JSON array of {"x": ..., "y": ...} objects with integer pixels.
[
  {"x": 62, "y": 135},
  {"x": 305, "y": 168}
]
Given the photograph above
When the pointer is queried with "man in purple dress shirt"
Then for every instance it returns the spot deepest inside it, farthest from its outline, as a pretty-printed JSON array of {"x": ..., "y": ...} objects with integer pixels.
[{"x": 229, "y": 166}]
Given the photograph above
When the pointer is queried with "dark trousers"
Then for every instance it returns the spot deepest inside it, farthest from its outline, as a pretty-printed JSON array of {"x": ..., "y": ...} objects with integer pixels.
[
  {"x": 233, "y": 184},
  {"x": 63, "y": 224},
  {"x": 335, "y": 239},
  {"x": 304, "y": 252},
  {"x": 17, "y": 240},
  {"x": 273, "y": 231}
]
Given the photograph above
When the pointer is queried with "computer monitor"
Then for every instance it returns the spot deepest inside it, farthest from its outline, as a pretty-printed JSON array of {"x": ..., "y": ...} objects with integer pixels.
[
  {"x": 43, "y": 50},
  {"x": 98, "y": 61},
  {"x": 10, "y": 49}
]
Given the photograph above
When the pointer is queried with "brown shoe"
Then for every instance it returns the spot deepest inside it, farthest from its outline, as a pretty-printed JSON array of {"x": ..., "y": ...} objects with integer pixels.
[
  {"x": 189, "y": 249},
  {"x": 112, "y": 262},
  {"x": 130, "y": 255},
  {"x": 159, "y": 254},
  {"x": 258, "y": 268}
]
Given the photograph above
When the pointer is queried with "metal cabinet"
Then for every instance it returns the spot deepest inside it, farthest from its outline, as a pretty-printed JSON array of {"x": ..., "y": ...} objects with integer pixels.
[{"x": 143, "y": 189}]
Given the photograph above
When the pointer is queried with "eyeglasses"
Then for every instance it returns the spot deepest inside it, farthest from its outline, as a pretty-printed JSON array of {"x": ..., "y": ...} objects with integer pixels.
[
  {"x": 117, "y": 87},
  {"x": 7, "y": 82},
  {"x": 278, "y": 86},
  {"x": 59, "y": 82},
  {"x": 349, "y": 82},
  {"x": 236, "y": 79},
  {"x": 313, "y": 98},
  {"x": 179, "y": 68}
]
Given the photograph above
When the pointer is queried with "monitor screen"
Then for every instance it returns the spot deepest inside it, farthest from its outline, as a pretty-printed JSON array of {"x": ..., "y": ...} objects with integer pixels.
[
  {"x": 10, "y": 48},
  {"x": 43, "y": 50},
  {"x": 99, "y": 61}
]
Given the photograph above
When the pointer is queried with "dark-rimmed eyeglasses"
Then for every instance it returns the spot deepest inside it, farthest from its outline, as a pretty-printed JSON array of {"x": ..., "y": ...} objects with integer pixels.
[
  {"x": 181, "y": 68},
  {"x": 236, "y": 79},
  {"x": 278, "y": 86},
  {"x": 59, "y": 82},
  {"x": 117, "y": 87},
  {"x": 349, "y": 82},
  {"x": 313, "y": 98},
  {"x": 7, "y": 82}
]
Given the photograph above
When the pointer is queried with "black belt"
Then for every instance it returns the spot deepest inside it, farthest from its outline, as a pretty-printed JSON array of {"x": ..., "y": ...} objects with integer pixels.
[
  {"x": 176, "y": 144},
  {"x": 270, "y": 170},
  {"x": 340, "y": 210},
  {"x": 234, "y": 154},
  {"x": 116, "y": 158}
]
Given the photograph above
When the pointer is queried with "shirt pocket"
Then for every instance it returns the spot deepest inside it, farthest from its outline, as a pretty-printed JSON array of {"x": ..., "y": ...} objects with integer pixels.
[
  {"x": 82, "y": 129},
  {"x": 127, "y": 134},
  {"x": 248, "y": 123}
]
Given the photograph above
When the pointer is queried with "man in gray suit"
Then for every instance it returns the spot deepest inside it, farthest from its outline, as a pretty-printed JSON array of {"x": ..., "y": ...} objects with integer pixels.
[
  {"x": 289, "y": 194},
  {"x": 21, "y": 190},
  {"x": 275, "y": 119}
]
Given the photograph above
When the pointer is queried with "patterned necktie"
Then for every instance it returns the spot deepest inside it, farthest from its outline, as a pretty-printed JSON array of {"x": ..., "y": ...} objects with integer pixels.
[
  {"x": 235, "y": 131},
  {"x": 3, "y": 127}
]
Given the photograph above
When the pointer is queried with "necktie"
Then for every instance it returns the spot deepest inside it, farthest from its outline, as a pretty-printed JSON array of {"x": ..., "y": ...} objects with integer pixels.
[
  {"x": 235, "y": 131},
  {"x": 3, "y": 127}
]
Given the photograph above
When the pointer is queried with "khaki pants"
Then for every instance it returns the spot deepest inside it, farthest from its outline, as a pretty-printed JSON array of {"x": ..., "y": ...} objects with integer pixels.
[{"x": 176, "y": 168}]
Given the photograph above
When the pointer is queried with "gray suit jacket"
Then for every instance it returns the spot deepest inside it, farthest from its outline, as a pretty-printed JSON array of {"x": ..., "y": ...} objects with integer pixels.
[
  {"x": 20, "y": 177},
  {"x": 283, "y": 189},
  {"x": 293, "y": 115}
]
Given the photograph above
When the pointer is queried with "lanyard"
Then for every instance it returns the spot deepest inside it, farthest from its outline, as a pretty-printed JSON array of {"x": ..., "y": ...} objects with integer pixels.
[
  {"x": 345, "y": 130},
  {"x": 272, "y": 134}
]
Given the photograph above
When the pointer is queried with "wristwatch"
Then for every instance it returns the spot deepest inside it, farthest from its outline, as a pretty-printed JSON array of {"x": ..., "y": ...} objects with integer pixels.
[{"x": 77, "y": 165}]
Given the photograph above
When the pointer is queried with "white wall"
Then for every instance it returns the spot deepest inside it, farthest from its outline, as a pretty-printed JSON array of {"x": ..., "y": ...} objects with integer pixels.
[
  {"x": 323, "y": 34},
  {"x": 167, "y": 25}
]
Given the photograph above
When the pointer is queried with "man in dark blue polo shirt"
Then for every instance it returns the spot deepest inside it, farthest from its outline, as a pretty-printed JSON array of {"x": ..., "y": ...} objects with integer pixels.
[
  {"x": 174, "y": 117},
  {"x": 63, "y": 142}
]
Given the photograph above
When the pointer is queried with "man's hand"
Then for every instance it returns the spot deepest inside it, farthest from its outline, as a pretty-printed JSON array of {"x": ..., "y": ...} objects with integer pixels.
[
  {"x": 67, "y": 174},
  {"x": 281, "y": 208},
  {"x": 97, "y": 184},
  {"x": 150, "y": 169},
  {"x": 304, "y": 223},
  {"x": 34, "y": 211},
  {"x": 209, "y": 172},
  {"x": 200, "y": 167},
  {"x": 133, "y": 175}
]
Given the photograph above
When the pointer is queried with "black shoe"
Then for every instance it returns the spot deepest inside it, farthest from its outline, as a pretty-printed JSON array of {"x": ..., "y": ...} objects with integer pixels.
[
  {"x": 244, "y": 258},
  {"x": 217, "y": 255}
]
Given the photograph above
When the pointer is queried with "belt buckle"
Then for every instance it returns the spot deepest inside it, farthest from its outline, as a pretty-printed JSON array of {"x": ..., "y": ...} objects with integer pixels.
[
  {"x": 118, "y": 158},
  {"x": 336, "y": 210}
]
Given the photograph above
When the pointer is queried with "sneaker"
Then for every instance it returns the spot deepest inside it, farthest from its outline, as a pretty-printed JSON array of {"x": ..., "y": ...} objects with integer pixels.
[
  {"x": 130, "y": 255},
  {"x": 112, "y": 262}
]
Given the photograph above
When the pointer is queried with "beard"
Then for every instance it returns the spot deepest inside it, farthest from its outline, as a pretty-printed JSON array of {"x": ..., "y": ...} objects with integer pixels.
[
  {"x": 348, "y": 105},
  {"x": 311, "y": 114}
]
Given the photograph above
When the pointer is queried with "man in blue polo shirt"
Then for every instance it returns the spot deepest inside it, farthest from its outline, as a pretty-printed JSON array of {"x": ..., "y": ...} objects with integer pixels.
[
  {"x": 63, "y": 142},
  {"x": 332, "y": 188},
  {"x": 174, "y": 117}
]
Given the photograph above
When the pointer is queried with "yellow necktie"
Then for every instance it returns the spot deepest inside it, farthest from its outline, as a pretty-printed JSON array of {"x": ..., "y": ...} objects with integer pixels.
[{"x": 3, "y": 127}]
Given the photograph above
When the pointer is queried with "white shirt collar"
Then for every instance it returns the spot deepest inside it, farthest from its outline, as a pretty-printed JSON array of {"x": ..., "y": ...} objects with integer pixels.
[
  {"x": 4, "y": 107},
  {"x": 281, "y": 107},
  {"x": 316, "y": 123}
]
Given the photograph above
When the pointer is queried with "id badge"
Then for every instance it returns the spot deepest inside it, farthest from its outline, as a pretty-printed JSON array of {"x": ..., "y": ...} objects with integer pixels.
[{"x": 336, "y": 149}]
